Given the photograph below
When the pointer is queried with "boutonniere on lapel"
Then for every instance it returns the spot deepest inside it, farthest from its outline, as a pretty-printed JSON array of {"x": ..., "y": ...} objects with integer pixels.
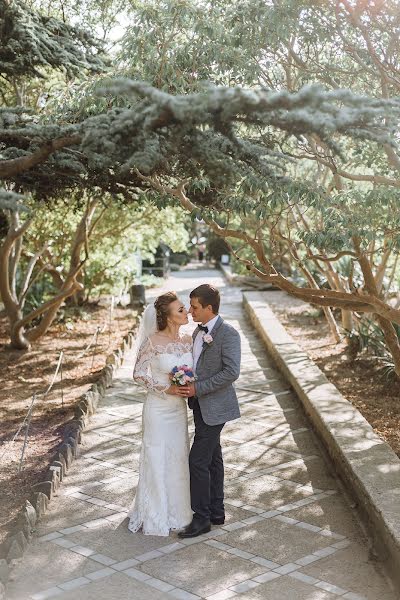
[{"x": 207, "y": 339}]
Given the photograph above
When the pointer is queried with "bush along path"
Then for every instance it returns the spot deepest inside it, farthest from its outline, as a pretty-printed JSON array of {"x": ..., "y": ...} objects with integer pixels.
[{"x": 289, "y": 533}]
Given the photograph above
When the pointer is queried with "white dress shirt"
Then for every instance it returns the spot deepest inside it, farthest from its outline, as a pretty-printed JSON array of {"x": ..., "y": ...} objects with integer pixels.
[{"x": 198, "y": 342}]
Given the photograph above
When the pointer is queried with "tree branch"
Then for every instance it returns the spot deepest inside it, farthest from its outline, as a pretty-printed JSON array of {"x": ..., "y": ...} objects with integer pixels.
[{"x": 9, "y": 168}]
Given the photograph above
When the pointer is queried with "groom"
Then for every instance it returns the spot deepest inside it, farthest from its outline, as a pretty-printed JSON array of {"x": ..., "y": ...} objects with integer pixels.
[{"x": 216, "y": 359}]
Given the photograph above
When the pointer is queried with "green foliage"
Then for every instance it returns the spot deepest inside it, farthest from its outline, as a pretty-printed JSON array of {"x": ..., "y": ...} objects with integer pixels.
[
  {"x": 69, "y": 315},
  {"x": 151, "y": 281},
  {"x": 11, "y": 201},
  {"x": 30, "y": 42},
  {"x": 100, "y": 16},
  {"x": 370, "y": 214},
  {"x": 122, "y": 232},
  {"x": 40, "y": 292},
  {"x": 216, "y": 247},
  {"x": 369, "y": 340}
]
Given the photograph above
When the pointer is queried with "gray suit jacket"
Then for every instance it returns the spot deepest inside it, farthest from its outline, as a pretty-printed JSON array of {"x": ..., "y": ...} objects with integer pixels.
[{"x": 217, "y": 368}]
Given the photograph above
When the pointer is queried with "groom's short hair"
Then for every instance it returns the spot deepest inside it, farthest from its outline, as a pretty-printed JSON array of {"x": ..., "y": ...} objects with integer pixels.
[{"x": 207, "y": 294}]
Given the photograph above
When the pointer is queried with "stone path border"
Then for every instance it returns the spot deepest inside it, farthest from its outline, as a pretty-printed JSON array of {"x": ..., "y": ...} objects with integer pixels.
[
  {"x": 368, "y": 466},
  {"x": 42, "y": 492}
]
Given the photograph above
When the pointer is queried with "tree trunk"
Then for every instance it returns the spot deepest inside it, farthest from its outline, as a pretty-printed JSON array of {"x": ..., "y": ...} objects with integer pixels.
[
  {"x": 18, "y": 322},
  {"x": 389, "y": 332},
  {"x": 327, "y": 310},
  {"x": 381, "y": 270},
  {"x": 18, "y": 339},
  {"x": 15, "y": 255},
  {"x": 70, "y": 285},
  {"x": 336, "y": 284},
  {"x": 82, "y": 233},
  {"x": 347, "y": 320},
  {"x": 49, "y": 309},
  {"x": 78, "y": 298},
  {"x": 11, "y": 305}
]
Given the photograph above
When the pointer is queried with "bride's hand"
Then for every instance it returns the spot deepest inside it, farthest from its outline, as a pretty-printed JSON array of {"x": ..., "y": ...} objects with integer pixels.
[{"x": 178, "y": 390}]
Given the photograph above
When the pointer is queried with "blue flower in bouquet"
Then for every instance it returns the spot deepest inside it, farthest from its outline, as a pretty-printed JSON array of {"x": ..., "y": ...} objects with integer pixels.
[{"x": 182, "y": 375}]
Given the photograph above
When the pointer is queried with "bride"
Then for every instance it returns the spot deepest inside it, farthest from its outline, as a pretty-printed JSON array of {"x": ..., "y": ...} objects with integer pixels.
[{"x": 162, "y": 499}]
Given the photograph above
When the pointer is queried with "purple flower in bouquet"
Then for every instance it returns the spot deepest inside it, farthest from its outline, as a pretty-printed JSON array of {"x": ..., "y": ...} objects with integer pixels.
[{"x": 182, "y": 375}]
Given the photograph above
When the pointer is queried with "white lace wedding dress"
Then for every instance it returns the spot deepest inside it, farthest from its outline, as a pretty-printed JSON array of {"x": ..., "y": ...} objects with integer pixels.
[{"x": 162, "y": 499}]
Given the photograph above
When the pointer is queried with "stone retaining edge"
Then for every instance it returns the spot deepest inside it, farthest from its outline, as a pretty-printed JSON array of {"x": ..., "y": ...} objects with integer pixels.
[
  {"x": 367, "y": 465},
  {"x": 43, "y": 491},
  {"x": 231, "y": 277}
]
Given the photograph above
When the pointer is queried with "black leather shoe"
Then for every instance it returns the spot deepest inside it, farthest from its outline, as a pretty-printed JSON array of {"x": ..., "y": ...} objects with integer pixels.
[
  {"x": 217, "y": 520},
  {"x": 195, "y": 528}
]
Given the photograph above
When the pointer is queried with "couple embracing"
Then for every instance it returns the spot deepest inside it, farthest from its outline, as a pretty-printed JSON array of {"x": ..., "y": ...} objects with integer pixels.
[{"x": 178, "y": 490}]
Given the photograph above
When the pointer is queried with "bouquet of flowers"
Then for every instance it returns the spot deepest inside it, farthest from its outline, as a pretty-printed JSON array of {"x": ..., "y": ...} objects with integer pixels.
[{"x": 182, "y": 375}]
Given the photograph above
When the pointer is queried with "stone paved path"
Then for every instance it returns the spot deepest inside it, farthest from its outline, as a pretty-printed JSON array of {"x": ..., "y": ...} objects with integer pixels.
[{"x": 290, "y": 533}]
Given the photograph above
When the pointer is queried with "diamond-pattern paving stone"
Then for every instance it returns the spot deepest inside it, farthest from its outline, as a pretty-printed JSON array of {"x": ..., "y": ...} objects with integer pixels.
[
  {"x": 285, "y": 569},
  {"x": 265, "y": 539},
  {"x": 40, "y": 573},
  {"x": 69, "y": 530},
  {"x": 240, "y": 553},
  {"x": 47, "y": 594},
  {"x": 73, "y": 584},
  {"x": 312, "y": 471},
  {"x": 331, "y": 512},
  {"x": 224, "y": 595},
  {"x": 100, "y": 574},
  {"x": 234, "y": 526},
  {"x": 159, "y": 584},
  {"x": 115, "y": 587},
  {"x": 117, "y": 542},
  {"x": 126, "y": 564},
  {"x": 104, "y": 560},
  {"x": 353, "y": 570},
  {"x": 182, "y": 594},
  {"x": 149, "y": 555},
  {"x": 136, "y": 574},
  {"x": 202, "y": 573},
  {"x": 329, "y": 587},
  {"x": 119, "y": 492},
  {"x": 82, "y": 550},
  {"x": 67, "y": 512},
  {"x": 285, "y": 588},
  {"x": 267, "y": 492},
  {"x": 245, "y": 586},
  {"x": 255, "y": 457},
  {"x": 265, "y": 563},
  {"x": 50, "y": 536},
  {"x": 171, "y": 547},
  {"x": 303, "y": 577}
]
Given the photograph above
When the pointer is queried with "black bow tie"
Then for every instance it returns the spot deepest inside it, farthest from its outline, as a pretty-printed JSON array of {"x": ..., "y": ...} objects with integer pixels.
[{"x": 203, "y": 328}]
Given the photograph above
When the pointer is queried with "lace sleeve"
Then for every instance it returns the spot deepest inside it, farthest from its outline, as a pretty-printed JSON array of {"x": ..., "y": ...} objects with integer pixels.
[{"x": 142, "y": 371}]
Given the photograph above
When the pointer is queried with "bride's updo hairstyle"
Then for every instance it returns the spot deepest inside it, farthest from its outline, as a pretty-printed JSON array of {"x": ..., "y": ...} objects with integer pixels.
[{"x": 162, "y": 308}]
